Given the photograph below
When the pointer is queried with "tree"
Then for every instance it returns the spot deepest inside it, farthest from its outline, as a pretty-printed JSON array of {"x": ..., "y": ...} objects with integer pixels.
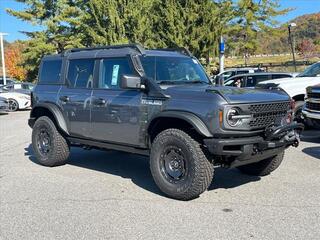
[
  {"x": 13, "y": 58},
  {"x": 251, "y": 19},
  {"x": 306, "y": 48},
  {"x": 57, "y": 21}
]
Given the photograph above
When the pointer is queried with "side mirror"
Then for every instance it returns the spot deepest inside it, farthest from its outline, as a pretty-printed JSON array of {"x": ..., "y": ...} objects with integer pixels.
[{"x": 131, "y": 82}]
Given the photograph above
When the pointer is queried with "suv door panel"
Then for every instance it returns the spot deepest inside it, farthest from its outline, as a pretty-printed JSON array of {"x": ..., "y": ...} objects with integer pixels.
[
  {"x": 116, "y": 112},
  {"x": 75, "y": 99}
]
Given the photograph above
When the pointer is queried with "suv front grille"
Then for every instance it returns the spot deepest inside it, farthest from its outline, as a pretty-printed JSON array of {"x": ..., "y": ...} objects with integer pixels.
[
  {"x": 268, "y": 114},
  {"x": 313, "y": 106}
]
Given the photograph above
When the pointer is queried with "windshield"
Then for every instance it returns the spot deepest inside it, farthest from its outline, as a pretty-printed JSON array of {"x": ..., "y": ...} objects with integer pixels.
[
  {"x": 312, "y": 71},
  {"x": 174, "y": 70}
]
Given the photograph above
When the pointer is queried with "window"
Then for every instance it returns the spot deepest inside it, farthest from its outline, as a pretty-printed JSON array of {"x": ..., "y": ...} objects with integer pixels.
[
  {"x": 235, "y": 82},
  {"x": 111, "y": 72},
  {"x": 80, "y": 73},
  {"x": 254, "y": 80},
  {"x": 50, "y": 71},
  {"x": 149, "y": 66},
  {"x": 174, "y": 70}
]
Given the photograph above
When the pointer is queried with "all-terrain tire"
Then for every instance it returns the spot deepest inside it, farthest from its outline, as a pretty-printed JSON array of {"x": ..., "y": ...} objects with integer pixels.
[
  {"x": 59, "y": 150},
  {"x": 264, "y": 167},
  {"x": 198, "y": 169}
]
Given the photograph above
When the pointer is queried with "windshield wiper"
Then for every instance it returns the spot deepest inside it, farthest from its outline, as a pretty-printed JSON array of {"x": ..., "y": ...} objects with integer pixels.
[
  {"x": 168, "y": 82},
  {"x": 196, "y": 81}
]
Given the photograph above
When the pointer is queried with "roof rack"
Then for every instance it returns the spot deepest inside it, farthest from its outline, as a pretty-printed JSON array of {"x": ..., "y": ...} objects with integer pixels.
[
  {"x": 136, "y": 47},
  {"x": 181, "y": 50}
]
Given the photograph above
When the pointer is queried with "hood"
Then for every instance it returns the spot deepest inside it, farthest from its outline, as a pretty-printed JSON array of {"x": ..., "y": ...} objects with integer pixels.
[{"x": 232, "y": 95}]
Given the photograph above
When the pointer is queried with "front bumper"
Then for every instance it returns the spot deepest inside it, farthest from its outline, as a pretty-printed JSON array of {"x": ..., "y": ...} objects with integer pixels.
[
  {"x": 311, "y": 114},
  {"x": 246, "y": 150}
]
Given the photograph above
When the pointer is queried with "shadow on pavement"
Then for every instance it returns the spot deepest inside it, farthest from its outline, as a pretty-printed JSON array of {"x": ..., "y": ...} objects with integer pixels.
[
  {"x": 312, "y": 151},
  {"x": 230, "y": 178},
  {"x": 136, "y": 168}
]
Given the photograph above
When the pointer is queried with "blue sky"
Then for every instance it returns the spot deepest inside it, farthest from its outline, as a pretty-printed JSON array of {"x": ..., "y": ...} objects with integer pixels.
[{"x": 12, "y": 25}]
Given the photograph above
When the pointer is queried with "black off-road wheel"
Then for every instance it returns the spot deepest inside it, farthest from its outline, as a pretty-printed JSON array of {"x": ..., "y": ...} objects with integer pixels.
[
  {"x": 264, "y": 167},
  {"x": 179, "y": 166},
  {"x": 50, "y": 147}
]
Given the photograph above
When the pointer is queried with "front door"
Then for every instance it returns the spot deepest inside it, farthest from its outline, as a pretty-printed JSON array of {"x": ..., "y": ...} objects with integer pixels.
[
  {"x": 116, "y": 113},
  {"x": 75, "y": 97}
]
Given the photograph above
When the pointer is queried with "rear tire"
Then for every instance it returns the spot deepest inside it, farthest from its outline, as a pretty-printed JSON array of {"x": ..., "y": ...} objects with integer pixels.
[
  {"x": 264, "y": 167},
  {"x": 50, "y": 147},
  {"x": 179, "y": 166},
  {"x": 13, "y": 105}
]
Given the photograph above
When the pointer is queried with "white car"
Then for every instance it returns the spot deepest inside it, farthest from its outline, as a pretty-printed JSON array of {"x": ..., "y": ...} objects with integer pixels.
[
  {"x": 16, "y": 100},
  {"x": 296, "y": 87}
]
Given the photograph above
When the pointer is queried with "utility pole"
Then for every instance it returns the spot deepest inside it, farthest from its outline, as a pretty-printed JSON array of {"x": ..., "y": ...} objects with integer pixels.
[
  {"x": 2, "y": 58},
  {"x": 291, "y": 40}
]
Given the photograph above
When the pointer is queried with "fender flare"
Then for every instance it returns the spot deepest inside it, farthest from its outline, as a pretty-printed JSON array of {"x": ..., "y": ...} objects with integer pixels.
[
  {"x": 191, "y": 118},
  {"x": 56, "y": 112}
]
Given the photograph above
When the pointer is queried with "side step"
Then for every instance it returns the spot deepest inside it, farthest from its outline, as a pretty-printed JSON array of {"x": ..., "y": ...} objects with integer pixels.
[{"x": 109, "y": 146}]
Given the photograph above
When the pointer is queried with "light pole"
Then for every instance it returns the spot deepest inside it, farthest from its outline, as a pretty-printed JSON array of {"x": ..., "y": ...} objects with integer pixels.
[
  {"x": 291, "y": 40},
  {"x": 2, "y": 58}
]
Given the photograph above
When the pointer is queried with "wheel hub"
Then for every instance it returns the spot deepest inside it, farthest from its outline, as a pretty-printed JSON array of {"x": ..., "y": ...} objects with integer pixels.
[
  {"x": 44, "y": 142},
  {"x": 174, "y": 163}
]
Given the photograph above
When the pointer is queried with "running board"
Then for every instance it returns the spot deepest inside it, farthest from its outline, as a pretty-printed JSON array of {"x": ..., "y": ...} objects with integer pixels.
[{"x": 109, "y": 146}]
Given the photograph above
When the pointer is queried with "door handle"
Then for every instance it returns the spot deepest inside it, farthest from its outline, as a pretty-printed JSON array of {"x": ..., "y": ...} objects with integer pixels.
[
  {"x": 99, "y": 101},
  {"x": 64, "y": 98}
]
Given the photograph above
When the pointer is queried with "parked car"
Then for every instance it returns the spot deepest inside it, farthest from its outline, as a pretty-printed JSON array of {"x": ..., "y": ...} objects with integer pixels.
[
  {"x": 252, "y": 79},
  {"x": 8, "y": 81},
  {"x": 295, "y": 87},
  {"x": 227, "y": 74},
  {"x": 162, "y": 104},
  {"x": 311, "y": 109},
  {"x": 15, "y": 100},
  {"x": 3, "y": 105},
  {"x": 25, "y": 88}
]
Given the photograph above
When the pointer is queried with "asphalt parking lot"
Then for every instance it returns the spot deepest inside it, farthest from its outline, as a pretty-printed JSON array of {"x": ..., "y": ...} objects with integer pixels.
[{"x": 111, "y": 195}]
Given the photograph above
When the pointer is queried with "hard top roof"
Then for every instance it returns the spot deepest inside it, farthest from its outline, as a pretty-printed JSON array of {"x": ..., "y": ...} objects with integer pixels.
[{"x": 118, "y": 51}]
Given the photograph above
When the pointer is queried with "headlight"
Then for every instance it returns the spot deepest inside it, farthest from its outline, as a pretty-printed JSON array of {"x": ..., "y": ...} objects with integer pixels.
[{"x": 233, "y": 117}]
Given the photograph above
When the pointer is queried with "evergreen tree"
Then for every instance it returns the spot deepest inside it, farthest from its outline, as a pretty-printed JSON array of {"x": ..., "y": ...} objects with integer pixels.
[{"x": 54, "y": 18}]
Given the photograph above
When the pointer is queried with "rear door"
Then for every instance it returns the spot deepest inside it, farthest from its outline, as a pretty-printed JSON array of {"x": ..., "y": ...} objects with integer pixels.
[
  {"x": 116, "y": 112},
  {"x": 75, "y": 96}
]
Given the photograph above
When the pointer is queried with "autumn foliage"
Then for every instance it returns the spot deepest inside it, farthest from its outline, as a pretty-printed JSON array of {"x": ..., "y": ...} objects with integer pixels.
[{"x": 13, "y": 60}]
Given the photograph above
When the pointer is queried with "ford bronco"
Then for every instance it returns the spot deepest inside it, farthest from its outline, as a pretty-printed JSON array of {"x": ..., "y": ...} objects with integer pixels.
[{"x": 158, "y": 103}]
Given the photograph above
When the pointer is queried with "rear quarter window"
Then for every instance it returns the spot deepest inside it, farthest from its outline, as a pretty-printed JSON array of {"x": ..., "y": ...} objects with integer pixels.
[{"x": 50, "y": 72}]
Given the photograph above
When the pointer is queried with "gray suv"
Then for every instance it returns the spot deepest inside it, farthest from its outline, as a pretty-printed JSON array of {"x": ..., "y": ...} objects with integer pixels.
[{"x": 158, "y": 103}]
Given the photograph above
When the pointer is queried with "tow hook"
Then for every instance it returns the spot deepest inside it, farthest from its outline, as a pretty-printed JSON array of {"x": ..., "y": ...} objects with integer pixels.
[{"x": 295, "y": 143}]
